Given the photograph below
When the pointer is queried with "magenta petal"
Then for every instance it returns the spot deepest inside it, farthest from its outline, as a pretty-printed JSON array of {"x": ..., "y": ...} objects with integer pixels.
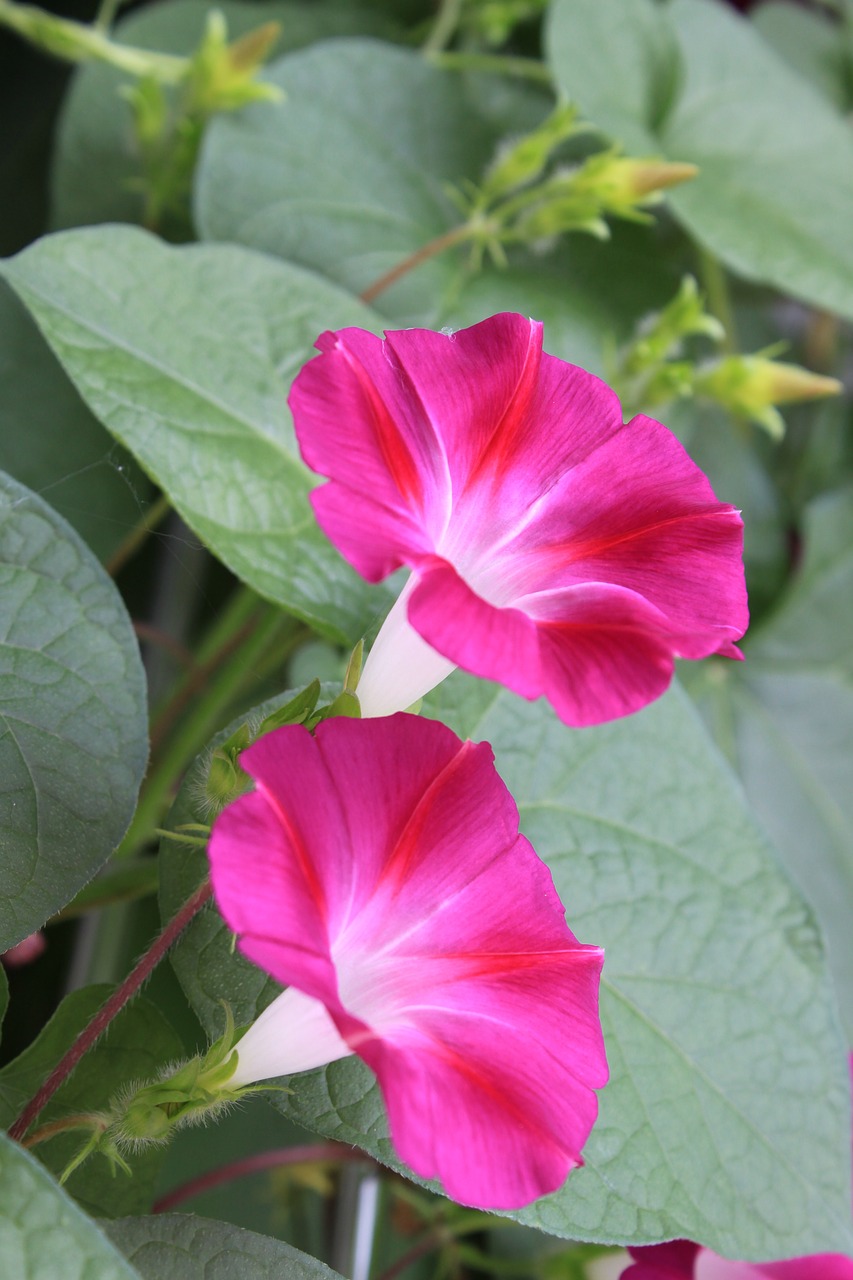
[
  {"x": 266, "y": 899},
  {"x": 682, "y": 1260},
  {"x": 498, "y": 644},
  {"x": 369, "y": 870},
  {"x": 672, "y": 1261},
  {"x": 818, "y": 1266}
]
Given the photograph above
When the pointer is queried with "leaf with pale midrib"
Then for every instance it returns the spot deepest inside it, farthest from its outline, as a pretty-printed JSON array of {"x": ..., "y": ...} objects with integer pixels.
[{"x": 186, "y": 356}]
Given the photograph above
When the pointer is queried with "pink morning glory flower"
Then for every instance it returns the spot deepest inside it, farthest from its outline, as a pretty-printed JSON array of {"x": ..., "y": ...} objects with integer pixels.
[
  {"x": 377, "y": 869},
  {"x": 553, "y": 548},
  {"x": 681, "y": 1260}
]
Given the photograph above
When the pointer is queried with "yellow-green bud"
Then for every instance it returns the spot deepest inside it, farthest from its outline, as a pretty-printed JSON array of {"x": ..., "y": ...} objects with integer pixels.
[
  {"x": 624, "y": 184},
  {"x": 222, "y": 77},
  {"x": 524, "y": 159},
  {"x": 750, "y": 386}
]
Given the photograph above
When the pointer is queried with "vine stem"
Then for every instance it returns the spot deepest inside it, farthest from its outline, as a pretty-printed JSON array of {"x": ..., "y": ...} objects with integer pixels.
[
  {"x": 492, "y": 63},
  {"x": 116, "y": 1002},
  {"x": 427, "y": 1244},
  {"x": 313, "y": 1153},
  {"x": 77, "y": 42},
  {"x": 456, "y": 235},
  {"x": 445, "y": 26},
  {"x": 137, "y": 535}
]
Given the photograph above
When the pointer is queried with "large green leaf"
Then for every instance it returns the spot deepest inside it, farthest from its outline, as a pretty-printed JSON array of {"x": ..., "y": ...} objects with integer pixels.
[
  {"x": 175, "y": 1246},
  {"x": 42, "y": 1231},
  {"x": 96, "y": 168},
  {"x": 51, "y": 442},
  {"x": 186, "y": 356},
  {"x": 785, "y": 717},
  {"x": 727, "y": 1117},
  {"x": 73, "y": 726},
  {"x": 775, "y": 187},
  {"x": 140, "y": 1043},
  {"x": 808, "y": 40},
  {"x": 349, "y": 174}
]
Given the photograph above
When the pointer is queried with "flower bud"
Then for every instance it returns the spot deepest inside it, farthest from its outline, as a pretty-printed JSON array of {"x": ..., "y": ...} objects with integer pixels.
[
  {"x": 750, "y": 387},
  {"x": 624, "y": 185},
  {"x": 523, "y": 160},
  {"x": 222, "y": 77}
]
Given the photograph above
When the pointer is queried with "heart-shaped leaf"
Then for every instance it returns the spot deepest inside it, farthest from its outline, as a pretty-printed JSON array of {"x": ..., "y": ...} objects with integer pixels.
[{"x": 73, "y": 721}]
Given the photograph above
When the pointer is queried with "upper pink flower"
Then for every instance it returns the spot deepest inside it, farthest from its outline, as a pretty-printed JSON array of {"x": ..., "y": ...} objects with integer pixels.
[
  {"x": 378, "y": 869},
  {"x": 683, "y": 1261},
  {"x": 554, "y": 549}
]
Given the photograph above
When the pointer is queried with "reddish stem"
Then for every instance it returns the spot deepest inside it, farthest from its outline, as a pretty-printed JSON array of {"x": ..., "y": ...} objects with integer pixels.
[
  {"x": 427, "y": 1244},
  {"x": 198, "y": 675},
  {"x": 446, "y": 241},
  {"x": 116, "y": 1002},
  {"x": 263, "y": 1160}
]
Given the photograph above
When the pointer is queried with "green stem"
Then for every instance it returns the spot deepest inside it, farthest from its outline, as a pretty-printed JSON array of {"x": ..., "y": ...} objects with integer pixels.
[
  {"x": 493, "y": 63},
  {"x": 85, "y": 1120},
  {"x": 137, "y": 535},
  {"x": 106, "y": 14},
  {"x": 126, "y": 883},
  {"x": 447, "y": 240},
  {"x": 197, "y": 728},
  {"x": 77, "y": 42},
  {"x": 445, "y": 26},
  {"x": 716, "y": 286},
  {"x": 113, "y": 1006},
  {"x": 227, "y": 633}
]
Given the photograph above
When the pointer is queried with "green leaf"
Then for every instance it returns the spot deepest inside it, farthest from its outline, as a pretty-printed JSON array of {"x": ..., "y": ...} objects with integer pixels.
[
  {"x": 42, "y": 1231},
  {"x": 727, "y": 1117},
  {"x": 186, "y": 356},
  {"x": 51, "y": 442},
  {"x": 174, "y": 1246},
  {"x": 811, "y": 45},
  {"x": 623, "y": 73},
  {"x": 732, "y": 462},
  {"x": 785, "y": 718},
  {"x": 323, "y": 180},
  {"x": 96, "y": 169},
  {"x": 73, "y": 727},
  {"x": 140, "y": 1042},
  {"x": 775, "y": 187}
]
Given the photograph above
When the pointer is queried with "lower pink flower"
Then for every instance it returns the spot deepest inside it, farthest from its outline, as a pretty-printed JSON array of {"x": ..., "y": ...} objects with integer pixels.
[
  {"x": 681, "y": 1260},
  {"x": 377, "y": 869},
  {"x": 553, "y": 548}
]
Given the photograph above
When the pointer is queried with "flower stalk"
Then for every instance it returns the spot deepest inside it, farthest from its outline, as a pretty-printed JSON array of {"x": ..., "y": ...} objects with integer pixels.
[
  {"x": 110, "y": 1009},
  {"x": 78, "y": 42}
]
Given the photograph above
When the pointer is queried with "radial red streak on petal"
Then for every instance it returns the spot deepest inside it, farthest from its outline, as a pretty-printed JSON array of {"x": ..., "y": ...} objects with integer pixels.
[
  {"x": 395, "y": 451},
  {"x": 574, "y": 549},
  {"x": 480, "y": 963},
  {"x": 305, "y": 863},
  {"x": 497, "y": 449},
  {"x": 397, "y": 867},
  {"x": 483, "y": 1082}
]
